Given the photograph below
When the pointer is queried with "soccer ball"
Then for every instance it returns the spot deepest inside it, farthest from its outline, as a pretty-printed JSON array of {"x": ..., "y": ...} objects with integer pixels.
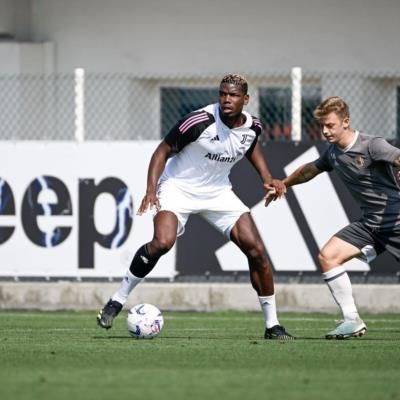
[{"x": 145, "y": 321}]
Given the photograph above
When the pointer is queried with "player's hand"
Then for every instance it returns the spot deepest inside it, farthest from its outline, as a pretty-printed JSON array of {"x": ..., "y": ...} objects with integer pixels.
[
  {"x": 275, "y": 190},
  {"x": 150, "y": 200},
  {"x": 279, "y": 187}
]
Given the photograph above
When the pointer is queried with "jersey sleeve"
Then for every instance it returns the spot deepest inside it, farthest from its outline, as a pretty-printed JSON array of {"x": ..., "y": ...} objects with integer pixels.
[
  {"x": 257, "y": 126},
  {"x": 323, "y": 163},
  {"x": 188, "y": 129},
  {"x": 381, "y": 150}
]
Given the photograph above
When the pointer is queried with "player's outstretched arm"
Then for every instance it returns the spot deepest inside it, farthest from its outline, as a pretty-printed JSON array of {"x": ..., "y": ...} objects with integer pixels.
[
  {"x": 302, "y": 174},
  {"x": 156, "y": 167}
]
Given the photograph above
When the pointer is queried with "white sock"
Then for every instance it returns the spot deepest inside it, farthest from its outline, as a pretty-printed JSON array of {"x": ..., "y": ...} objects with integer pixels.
[
  {"x": 128, "y": 283},
  {"x": 268, "y": 307},
  {"x": 340, "y": 286}
]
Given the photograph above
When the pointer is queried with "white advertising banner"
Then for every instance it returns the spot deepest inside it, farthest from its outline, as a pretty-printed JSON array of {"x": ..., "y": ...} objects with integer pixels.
[{"x": 69, "y": 209}]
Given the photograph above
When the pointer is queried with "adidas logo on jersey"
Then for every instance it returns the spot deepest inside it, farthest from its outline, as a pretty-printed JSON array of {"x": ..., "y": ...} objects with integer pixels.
[{"x": 215, "y": 138}]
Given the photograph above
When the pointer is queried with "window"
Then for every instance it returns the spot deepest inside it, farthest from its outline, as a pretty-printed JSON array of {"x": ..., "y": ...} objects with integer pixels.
[
  {"x": 275, "y": 108},
  {"x": 276, "y": 112}
]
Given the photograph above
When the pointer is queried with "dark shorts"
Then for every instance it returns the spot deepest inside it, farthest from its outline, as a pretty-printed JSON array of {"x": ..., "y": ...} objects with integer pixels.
[{"x": 360, "y": 235}]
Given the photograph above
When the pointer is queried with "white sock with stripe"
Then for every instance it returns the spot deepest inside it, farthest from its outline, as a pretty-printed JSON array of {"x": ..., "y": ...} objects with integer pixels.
[
  {"x": 127, "y": 285},
  {"x": 268, "y": 307},
  {"x": 339, "y": 284}
]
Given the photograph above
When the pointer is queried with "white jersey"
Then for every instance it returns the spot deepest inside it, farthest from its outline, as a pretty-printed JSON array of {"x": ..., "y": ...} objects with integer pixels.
[{"x": 206, "y": 150}]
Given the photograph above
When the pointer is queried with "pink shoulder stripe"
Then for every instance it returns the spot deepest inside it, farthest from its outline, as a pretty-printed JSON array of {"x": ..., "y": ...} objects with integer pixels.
[{"x": 195, "y": 119}]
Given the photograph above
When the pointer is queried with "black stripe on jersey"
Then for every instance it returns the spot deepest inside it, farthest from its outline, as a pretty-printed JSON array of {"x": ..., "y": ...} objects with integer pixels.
[
  {"x": 188, "y": 129},
  {"x": 257, "y": 126}
]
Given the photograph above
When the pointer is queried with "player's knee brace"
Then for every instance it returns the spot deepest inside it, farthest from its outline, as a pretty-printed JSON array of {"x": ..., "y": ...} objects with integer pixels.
[{"x": 142, "y": 262}]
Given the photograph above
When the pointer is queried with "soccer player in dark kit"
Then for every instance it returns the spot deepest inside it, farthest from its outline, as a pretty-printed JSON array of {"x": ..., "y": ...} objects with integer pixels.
[
  {"x": 189, "y": 174},
  {"x": 365, "y": 164}
]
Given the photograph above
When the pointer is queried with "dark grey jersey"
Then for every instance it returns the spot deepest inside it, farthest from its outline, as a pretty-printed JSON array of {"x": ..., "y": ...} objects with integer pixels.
[{"x": 366, "y": 169}]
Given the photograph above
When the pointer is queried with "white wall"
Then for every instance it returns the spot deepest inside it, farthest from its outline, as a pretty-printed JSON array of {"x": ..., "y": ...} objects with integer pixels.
[
  {"x": 162, "y": 39},
  {"x": 26, "y": 57},
  {"x": 219, "y": 296},
  {"x": 181, "y": 36}
]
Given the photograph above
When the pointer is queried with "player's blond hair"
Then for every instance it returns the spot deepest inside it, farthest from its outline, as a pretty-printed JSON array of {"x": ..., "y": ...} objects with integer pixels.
[
  {"x": 332, "y": 104},
  {"x": 236, "y": 79}
]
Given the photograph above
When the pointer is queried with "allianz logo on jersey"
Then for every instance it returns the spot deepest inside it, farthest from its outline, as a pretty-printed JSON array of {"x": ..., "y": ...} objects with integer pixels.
[{"x": 220, "y": 158}]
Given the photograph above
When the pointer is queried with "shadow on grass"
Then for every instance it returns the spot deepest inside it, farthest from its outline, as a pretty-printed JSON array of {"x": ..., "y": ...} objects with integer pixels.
[
  {"x": 350, "y": 340},
  {"x": 253, "y": 341},
  {"x": 112, "y": 337},
  {"x": 221, "y": 338}
]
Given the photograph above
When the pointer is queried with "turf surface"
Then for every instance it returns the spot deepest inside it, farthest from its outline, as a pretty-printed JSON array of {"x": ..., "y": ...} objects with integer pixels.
[{"x": 64, "y": 355}]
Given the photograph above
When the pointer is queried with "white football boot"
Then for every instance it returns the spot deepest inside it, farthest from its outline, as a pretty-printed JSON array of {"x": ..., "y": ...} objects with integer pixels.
[{"x": 348, "y": 329}]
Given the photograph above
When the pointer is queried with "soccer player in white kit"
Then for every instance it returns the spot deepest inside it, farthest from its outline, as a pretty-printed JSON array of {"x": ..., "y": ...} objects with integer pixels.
[
  {"x": 365, "y": 165},
  {"x": 189, "y": 174}
]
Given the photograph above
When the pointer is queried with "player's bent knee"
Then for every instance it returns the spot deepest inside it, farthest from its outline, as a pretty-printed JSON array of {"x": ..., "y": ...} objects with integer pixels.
[
  {"x": 163, "y": 245},
  {"x": 328, "y": 260},
  {"x": 257, "y": 257},
  {"x": 254, "y": 251}
]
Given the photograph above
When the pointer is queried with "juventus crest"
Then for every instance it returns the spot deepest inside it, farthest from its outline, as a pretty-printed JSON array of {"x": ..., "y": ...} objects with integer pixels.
[{"x": 244, "y": 138}]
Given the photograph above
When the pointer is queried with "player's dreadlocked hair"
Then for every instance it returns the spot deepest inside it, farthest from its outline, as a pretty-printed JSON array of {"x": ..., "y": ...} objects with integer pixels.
[
  {"x": 236, "y": 79},
  {"x": 332, "y": 104}
]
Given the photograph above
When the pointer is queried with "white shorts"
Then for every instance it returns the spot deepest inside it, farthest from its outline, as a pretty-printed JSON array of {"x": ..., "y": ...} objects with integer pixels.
[{"x": 221, "y": 210}]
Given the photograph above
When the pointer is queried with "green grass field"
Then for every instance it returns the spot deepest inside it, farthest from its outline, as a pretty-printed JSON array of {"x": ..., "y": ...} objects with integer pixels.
[{"x": 64, "y": 355}]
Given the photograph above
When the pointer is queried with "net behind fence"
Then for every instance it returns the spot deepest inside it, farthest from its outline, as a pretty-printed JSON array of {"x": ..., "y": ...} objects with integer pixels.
[{"x": 128, "y": 107}]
